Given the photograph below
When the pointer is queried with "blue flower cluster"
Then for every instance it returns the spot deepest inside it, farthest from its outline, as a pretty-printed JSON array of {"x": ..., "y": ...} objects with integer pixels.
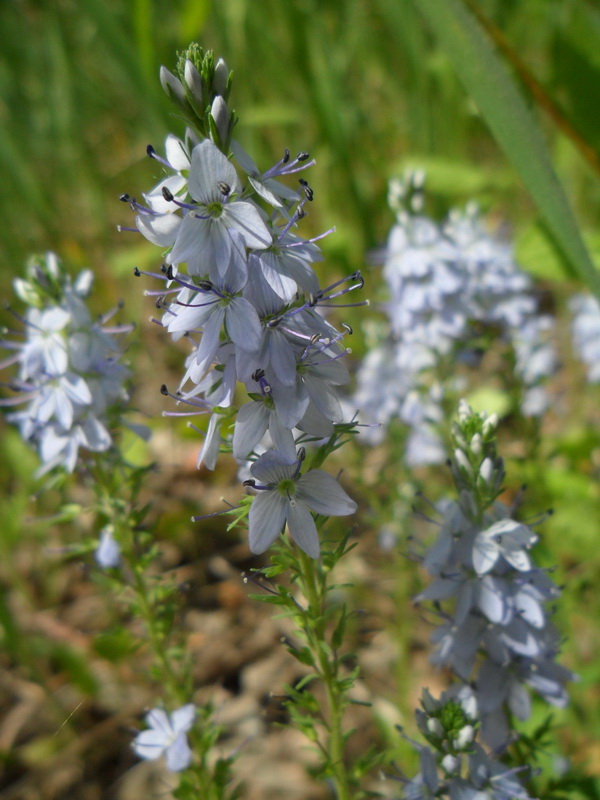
[
  {"x": 447, "y": 281},
  {"x": 240, "y": 286},
  {"x": 586, "y": 333},
  {"x": 494, "y": 632},
  {"x": 69, "y": 377},
  {"x": 453, "y": 764}
]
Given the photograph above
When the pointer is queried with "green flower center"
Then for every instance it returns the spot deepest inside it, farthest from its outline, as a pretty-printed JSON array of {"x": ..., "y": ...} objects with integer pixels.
[{"x": 287, "y": 487}]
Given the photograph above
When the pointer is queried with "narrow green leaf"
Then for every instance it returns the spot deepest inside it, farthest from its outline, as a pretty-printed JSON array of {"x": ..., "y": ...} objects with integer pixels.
[{"x": 516, "y": 130}]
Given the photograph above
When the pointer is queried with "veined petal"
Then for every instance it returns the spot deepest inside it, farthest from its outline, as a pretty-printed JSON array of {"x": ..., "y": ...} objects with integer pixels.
[
  {"x": 179, "y": 754},
  {"x": 281, "y": 357},
  {"x": 209, "y": 344},
  {"x": 266, "y": 519},
  {"x": 160, "y": 230},
  {"x": 243, "y": 325},
  {"x": 291, "y": 402},
  {"x": 183, "y": 718},
  {"x": 176, "y": 152},
  {"x": 245, "y": 218},
  {"x": 250, "y": 426},
  {"x": 191, "y": 238},
  {"x": 303, "y": 529},
  {"x": 190, "y": 318},
  {"x": 282, "y": 437},
  {"x": 149, "y": 745},
  {"x": 324, "y": 399},
  {"x": 159, "y": 720},
  {"x": 485, "y": 553},
  {"x": 156, "y": 199},
  {"x": 273, "y": 467},
  {"x": 323, "y": 494},
  {"x": 494, "y": 600},
  {"x": 209, "y": 167}
]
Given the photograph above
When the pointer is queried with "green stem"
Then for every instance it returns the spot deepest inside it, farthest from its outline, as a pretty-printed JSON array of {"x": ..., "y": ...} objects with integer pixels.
[{"x": 314, "y": 624}]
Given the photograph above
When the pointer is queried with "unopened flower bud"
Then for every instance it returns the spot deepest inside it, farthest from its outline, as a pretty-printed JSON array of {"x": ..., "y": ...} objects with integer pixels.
[
  {"x": 462, "y": 462},
  {"x": 429, "y": 703},
  {"x": 476, "y": 444},
  {"x": 450, "y": 764},
  {"x": 172, "y": 86},
  {"x": 434, "y": 726},
  {"x": 465, "y": 737},
  {"x": 464, "y": 411},
  {"x": 220, "y": 114},
  {"x": 193, "y": 82},
  {"x": 486, "y": 471},
  {"x": 220, "y": 78},
  {"x": 490, "y": 425}
]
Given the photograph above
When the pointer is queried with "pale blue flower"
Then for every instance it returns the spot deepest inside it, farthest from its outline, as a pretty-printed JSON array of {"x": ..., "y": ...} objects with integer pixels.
[
  {"x": 167, "y": 736},
  {"x": 286, "y": 496},
  {"x": 68, "y": 372},
  {"x": 586, "y": 333},
  {"x": 203, "y": 236},
  {"x": 108, "y": 552}
]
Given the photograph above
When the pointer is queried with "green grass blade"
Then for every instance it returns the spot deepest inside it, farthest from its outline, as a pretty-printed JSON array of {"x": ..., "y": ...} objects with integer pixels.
[{"x": 516, "y": 130}]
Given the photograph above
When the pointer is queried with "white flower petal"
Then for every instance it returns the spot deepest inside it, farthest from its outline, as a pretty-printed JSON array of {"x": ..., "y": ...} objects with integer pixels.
[
  {"x": 245, "y": 218},
  {"x": 303, "y": 529},
  {"x": 323, "y": 494},
  {"x": 179, "y": 754},
  {"x": 182, "y": 718},
  {"x": 149, "y": 745},
  {"x": 266, "y": 519}
]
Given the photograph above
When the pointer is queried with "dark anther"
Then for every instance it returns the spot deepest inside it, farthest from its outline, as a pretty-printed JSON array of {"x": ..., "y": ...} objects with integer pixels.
[
  {"x": 250, "y": 483},
  {"x": 167, "y": 194},
  {"x": 361, "y": 279},
  {"x": 223, "y": 187},
  {"x": 150, "y": 151},
  {"x": 164, "y": 390},
  {"x": 169, "y": 272},
  {"x": 159, "y": 302},
  {"x": 124, "y": 198},
  {"x": 121, "y": 304},
  {"x": 315, "y": 338},
  {"x": 163, "y": 268},
  {"x": 258, "y": 374},
  {"x": 302, "y": 156},
  {"x": 273, "y": 323},
  {"x": 136, "y": 272},
  {"x": 348, "y": 328},
  {"x": 301, "y": 454},
  {"x": 307, "y": 190},
  {"x": 205, "y": 285},
  {"x": 312, "y": 300},
  {"x": 286, "y": 156},
  {"x": 448, "y": 462}
]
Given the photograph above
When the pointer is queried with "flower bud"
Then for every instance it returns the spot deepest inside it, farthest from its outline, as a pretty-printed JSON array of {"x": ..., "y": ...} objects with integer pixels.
[
  {"x": 193, "y": 82},
  {"x": 464, "y": 411},
  {"x": 490, "y": 425},
  {"x": 462, "y": 462},
  {"x": 476, "y": 444},
  {"x": 429, "y": 703},
  {"x": 450, "y": 764},
  {"x": 486, "y": 471},
  {"x": 465, "y": 737},
  {"x": 434, "y": 727},
  {"x": 172, "y": 86},
  {"x": 220, "y": 78},
  {"x": 220, "y": 114}
]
